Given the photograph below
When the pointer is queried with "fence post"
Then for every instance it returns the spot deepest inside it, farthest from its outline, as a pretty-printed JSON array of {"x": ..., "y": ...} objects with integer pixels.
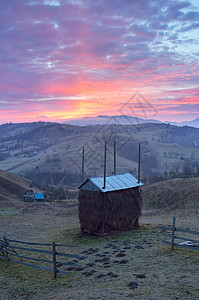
[
  {"x": 54, "y": 261},
  {"x": 173, "y": 233},
  {"x": 6, "y": 244}
]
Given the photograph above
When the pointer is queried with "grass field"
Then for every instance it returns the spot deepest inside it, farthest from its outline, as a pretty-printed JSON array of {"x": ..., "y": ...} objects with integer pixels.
[{"x": 150, "y": 270}]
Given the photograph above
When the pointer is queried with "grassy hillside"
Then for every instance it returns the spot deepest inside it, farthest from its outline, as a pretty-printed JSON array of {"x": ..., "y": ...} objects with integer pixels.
[
  {"x": 40, "y": 150},
  {"x": 10, "y": 130},
  {"x": 131, "y": 264},
  {"x": 12, "y": 187},
  {"x": 179, "y": 194}
]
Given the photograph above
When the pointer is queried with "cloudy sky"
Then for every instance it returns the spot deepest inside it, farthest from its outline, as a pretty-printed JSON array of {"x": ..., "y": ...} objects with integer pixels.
[{"x": 64, "y": 59}]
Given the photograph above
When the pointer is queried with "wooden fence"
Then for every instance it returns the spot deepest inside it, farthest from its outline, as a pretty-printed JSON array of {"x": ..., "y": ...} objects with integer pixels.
[
  {"x": 11, "y": 248},
  {"x": 189, "y": 242}
]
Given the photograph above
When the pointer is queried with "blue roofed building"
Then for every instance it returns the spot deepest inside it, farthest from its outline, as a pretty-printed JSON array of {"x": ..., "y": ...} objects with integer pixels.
[{"x": 39, "y": 196}]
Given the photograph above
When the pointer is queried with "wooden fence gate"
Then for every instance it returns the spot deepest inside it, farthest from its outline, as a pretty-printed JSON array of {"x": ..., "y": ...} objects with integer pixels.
[
  {"x": 51, "y": 256},
  {"x": 184, "y": 235}
]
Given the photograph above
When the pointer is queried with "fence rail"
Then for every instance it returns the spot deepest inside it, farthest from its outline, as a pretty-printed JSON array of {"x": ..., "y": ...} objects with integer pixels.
[
  {"x": 189, "y": 243},
  {"x": 8, "y": 250}
]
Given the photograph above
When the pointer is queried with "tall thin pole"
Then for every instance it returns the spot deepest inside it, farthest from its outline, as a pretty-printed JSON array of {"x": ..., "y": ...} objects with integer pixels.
[
  {"x": 104, "y": 166},
  {"x": 139, "y": 164},
  {"x": 114, "y": 157},
  {"x": 6, "y": 244},
  {"x": 173, "y": 233},
  {"x": 103, "y": 221},
  {"x": 83, "y": 164},
  {"x": 54, "y": 261}
]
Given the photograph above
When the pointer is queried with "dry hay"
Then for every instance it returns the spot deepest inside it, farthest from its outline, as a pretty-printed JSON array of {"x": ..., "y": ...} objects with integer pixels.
[{"x": 119, "y": 210}]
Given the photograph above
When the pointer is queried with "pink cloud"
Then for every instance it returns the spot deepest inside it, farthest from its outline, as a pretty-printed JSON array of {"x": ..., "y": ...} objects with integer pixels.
[{"x": 86, "y": 49}]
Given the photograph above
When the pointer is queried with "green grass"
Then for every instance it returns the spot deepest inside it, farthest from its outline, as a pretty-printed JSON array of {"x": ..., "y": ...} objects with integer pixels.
[
  {"x": 169, "y": 275},
  {"x": 74, "y": 236},
  {"x": 7, "y": 212}
]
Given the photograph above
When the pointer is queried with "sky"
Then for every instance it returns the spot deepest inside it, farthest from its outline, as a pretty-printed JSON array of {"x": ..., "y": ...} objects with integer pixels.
[{"x": 68, "y": 59}]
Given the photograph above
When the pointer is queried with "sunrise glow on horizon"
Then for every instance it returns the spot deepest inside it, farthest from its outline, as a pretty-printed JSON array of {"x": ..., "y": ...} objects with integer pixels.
[{"x": 69, "y": 59}]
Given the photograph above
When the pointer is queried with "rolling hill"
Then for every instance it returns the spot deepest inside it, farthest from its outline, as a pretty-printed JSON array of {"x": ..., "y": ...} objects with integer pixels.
[
  {"x": 175, "y": 195},
  {"x": 52, "y": 152},
  {"x": 12, "y": 187}
]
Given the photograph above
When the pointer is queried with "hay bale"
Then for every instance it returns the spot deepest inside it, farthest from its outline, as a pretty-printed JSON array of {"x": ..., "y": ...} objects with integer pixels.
[{"x": 119, "y": 210}]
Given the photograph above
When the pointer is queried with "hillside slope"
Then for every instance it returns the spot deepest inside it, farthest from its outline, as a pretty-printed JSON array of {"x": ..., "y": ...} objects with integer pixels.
[
  {"x": 179, "y": 194},
  {"x": 12, "y": 187},
  {"x": 40, "y": 151}
]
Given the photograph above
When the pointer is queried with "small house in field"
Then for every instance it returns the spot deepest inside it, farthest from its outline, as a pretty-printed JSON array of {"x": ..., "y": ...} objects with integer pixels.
[
  {"x": 115, "y": 205},
  {"x": 29, "y": 196},
  {"x": 39, "y": 197}
]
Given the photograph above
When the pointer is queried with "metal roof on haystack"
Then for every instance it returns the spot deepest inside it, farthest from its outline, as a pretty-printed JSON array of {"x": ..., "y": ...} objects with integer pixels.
[{"x": 113, "y": 183}]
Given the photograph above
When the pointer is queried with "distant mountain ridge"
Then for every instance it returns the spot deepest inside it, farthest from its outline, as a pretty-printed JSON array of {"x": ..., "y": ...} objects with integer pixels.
[
  {"x": 193, "y": 123},
  {"x": 107, "y": 120},
  {"x": 126, "y": 120}
]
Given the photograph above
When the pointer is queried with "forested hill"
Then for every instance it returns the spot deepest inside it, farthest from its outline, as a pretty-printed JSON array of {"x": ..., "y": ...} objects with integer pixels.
[{"x": 54, "y": 149}]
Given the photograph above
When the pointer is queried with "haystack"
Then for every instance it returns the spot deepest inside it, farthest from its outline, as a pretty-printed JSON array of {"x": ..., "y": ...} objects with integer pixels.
[{"x": 111, "y": 208}]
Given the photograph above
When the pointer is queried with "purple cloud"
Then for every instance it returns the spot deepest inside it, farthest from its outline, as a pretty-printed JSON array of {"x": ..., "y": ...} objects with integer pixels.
[{"x": 49, "y": 46}]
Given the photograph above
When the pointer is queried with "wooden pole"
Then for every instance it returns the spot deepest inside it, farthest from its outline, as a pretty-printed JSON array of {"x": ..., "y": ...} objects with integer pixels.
[
  {"x": 6, "y": 244},
  {"x": 139, "y": 164},
  {"x": 114, "y": 157},
  {"x": 104, "y": 166},
  {"x": 54, "y": 261},
  {"x": 173, "y": 233},
  {"x": 83, "y": 164},
  {"x": 103, "y": 221}
]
